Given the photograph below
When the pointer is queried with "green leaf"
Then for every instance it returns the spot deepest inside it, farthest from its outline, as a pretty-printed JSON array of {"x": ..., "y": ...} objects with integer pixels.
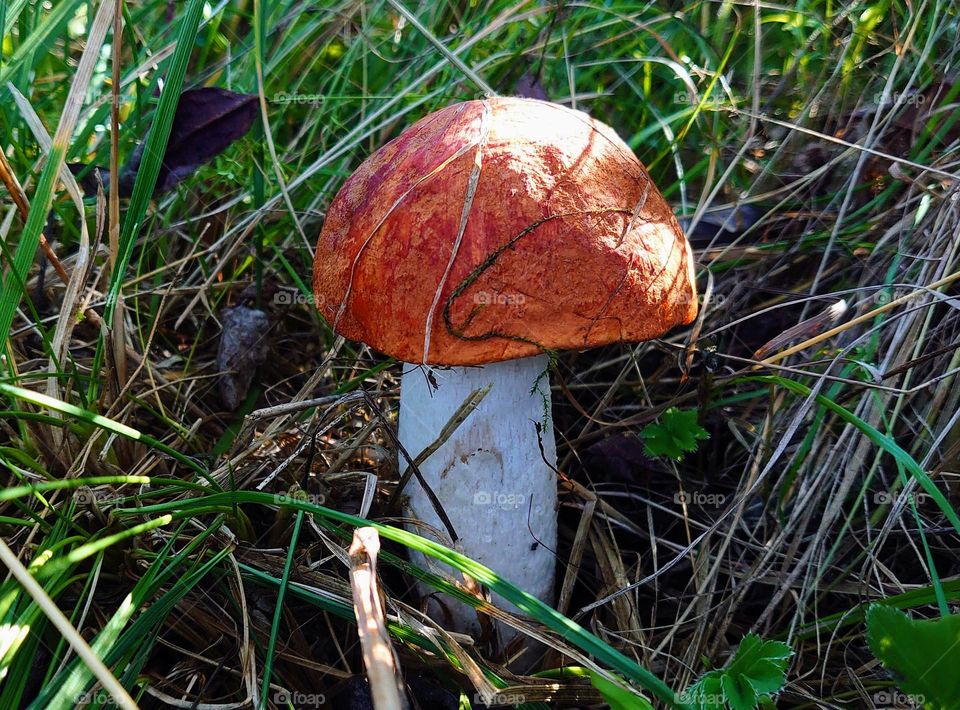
[
  {"x": 675, "y": 435},
  {"x": 757, "y": 669},
  {"x": 767, "y": 676},
  {"x": 740, "y": 694},
  {"x": 707, "y": 693},
  {"x": 922, "y": 654}
]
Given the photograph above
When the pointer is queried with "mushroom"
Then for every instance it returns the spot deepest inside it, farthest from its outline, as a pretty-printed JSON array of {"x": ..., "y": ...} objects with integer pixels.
[{"x": 486, "y": 236}]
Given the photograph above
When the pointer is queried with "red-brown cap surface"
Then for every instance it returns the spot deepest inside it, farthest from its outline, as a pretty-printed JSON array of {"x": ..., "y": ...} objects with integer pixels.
[{"x": 502, "y": 228}]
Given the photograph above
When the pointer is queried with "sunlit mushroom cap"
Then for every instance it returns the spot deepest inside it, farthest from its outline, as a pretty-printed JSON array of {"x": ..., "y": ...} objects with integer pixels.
[{"x": 497, "y": 229}]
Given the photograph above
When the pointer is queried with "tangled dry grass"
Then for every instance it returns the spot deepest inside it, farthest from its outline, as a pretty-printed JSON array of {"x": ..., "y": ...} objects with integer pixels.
[{"x": 797, "y": 512}]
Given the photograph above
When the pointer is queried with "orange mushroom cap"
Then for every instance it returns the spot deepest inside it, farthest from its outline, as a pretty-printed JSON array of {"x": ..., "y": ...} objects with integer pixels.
[{"x": 497, "y": 229}]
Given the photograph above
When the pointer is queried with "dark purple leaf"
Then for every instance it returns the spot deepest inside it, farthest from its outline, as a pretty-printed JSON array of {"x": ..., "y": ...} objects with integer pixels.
[
  {"x": 87, "y": 177},
  {"x": 529, "y": 87},
  {"x": 619, "y": 458},
  {"x": 207, "y": 121},
  {"x": 723, "y": 225},
  {"x": 243, "y": 347}
]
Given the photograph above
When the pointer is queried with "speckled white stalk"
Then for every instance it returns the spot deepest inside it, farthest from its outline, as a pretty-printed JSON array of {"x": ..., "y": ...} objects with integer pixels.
[{"x": 490, "y": 477}]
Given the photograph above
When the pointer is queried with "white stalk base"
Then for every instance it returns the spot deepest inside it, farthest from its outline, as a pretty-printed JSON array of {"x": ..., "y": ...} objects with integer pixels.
[{"x": 489, "y": 476}]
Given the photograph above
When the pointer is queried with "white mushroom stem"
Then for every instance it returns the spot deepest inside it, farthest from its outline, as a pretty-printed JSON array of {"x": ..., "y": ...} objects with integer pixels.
[{"x": 498, "y": 491}]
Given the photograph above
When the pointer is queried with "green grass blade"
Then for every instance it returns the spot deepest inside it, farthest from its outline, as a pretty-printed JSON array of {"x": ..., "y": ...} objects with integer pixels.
[
  {"x": 104, "y": 423},
  {"x": 278, "y": 612}
]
